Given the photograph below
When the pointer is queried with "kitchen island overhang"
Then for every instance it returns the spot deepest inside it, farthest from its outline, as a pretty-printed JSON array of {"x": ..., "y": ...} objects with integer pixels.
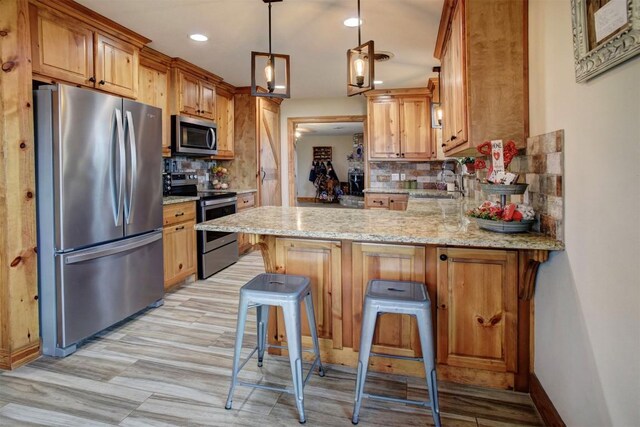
[{"x": 480, "y": 283}]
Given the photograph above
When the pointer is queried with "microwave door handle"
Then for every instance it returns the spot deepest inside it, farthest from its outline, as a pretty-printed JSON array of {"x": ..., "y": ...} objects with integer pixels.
[
  {"x": 133, "y": 149},
  {"x": 211, "y": 139},
  {"x": 117, "y": 166}
]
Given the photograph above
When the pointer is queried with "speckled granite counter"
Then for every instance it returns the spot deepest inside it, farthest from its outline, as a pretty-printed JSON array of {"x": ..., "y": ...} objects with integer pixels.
[
  {"x": 170, "y": 200},
  {"x": 419, "y": 193},
  {"x": 426, "y": 221},
  {"x": 232, "y": 190}
]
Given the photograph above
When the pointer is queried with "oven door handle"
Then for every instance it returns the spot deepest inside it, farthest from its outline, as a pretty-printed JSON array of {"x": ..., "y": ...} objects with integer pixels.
[{"x": 231, "y": 201}]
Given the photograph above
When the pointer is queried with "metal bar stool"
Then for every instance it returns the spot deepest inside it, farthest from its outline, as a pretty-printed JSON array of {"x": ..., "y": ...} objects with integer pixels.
[
  {"x": 385, "y": 296},
  {"x": 286, "y": 291}
]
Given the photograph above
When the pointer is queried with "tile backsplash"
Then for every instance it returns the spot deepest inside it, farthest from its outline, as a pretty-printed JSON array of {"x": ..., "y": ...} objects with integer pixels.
[
  {"x": 202, "y": 167},
  {"x": 426, "y": 173}
]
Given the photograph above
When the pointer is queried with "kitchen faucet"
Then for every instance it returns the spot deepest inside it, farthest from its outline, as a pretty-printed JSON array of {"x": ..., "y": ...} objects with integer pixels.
[{"x": 459, "y": 181}]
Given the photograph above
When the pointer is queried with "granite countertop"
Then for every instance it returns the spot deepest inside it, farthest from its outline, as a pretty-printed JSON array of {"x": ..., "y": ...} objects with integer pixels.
[
  {"x": 426, "y": 221},
  {"x": 435, "y": 194},
  {"x": 170, "y": 200},
  {"x": 232, "y": 190}
]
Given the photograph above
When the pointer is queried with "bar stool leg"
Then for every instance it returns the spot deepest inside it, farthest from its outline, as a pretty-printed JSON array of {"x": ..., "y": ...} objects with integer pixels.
[
  {"x": 426, "y": 342},
  {"x": 262, "y": 314},
  {"x": 291, "y": 311},
  {"x": 366, "y": 338},
  {"x": 242, "y": 319},
  {"x": 308, "y": 303}
]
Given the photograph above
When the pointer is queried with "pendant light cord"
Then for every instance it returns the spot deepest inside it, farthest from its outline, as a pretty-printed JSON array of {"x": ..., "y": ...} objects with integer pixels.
[
  {"x": 359, "y": 24},
  {"x": 270, "y": 28}
]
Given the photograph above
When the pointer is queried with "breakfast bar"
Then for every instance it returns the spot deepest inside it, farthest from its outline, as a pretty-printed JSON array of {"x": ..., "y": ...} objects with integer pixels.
[{"x": 480, "y": 283}]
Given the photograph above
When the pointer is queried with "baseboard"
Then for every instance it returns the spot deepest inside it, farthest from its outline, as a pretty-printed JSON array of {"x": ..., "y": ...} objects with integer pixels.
[
  {"x": 544, "y": 405},
  {"x": 19, "y": 357},
  {"x": 306, "y": 199}
]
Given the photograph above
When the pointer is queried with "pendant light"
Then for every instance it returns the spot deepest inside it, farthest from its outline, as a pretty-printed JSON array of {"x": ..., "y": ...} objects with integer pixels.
[
  {"x": 270, "y": 71},
  {"x": 360, "y": 69}
]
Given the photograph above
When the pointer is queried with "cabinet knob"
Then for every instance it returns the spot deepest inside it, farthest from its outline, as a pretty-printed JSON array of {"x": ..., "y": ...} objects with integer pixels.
[
  {"x": 444, "y": 145},
  {"x": 443, "y": 257},
  {"x": 402, "y": 154},
  {"x": 453, "y": 137},
  {"x": 92, "y": 79},
  {"x": 179, "y": 266},
  {"x": 180, "y": 228},
  {"x": 179, "y": 213}
]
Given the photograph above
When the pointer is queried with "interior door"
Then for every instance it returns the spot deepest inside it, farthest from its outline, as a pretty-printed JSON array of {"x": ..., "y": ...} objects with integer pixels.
[
  {"x": 87, "y": 136},
  {"x": 143, "y": 147},
  {"x": 269, "y": 153}
]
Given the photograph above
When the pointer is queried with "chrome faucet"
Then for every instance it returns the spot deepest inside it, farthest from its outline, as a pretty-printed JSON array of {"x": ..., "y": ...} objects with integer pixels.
[{"x": 457, "y": 172}]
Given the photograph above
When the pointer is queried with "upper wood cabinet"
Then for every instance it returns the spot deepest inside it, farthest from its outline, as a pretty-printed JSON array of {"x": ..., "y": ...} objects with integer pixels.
[
  {"x": 194, "y": 95},
  {"x": 70, "y": 44},
  {"x": 477, "y": 308},
  {"x": 482, "y": 100},
  {"x": 224, "y": 120},
  {"x": 153, "y": 89},
  {"x": 395, "y": 334},
  {"x": 399, "y": 125}
]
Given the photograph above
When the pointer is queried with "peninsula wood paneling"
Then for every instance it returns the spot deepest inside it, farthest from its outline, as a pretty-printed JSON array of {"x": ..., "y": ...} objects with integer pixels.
[{"x": 19, "y": 330}]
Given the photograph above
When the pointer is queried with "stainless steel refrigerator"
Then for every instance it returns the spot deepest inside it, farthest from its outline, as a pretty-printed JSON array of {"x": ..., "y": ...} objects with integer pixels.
[{"x": 99, "y": 196}]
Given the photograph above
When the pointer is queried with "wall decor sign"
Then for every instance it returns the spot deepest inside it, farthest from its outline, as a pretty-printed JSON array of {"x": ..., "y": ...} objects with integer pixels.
[
  {"x": 605, "y": 34},
  {"x": 322, "y": 154}
]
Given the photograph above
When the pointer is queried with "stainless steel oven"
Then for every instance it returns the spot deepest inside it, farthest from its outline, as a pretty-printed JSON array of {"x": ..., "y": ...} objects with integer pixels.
[
  {"x": 193, "y": 136},
  {"x": 216, "y": 250}
]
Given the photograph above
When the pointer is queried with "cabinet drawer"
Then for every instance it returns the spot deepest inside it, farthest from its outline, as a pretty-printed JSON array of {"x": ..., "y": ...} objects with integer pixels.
[
  {"x": 376, "y": 201},
  {"x": 246, "y": 201},
  {"x": 179, "y": 212}
]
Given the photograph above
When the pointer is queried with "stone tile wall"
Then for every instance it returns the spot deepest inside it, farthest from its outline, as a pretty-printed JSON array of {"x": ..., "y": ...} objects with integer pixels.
[
  {"x": 425, "y": 173},
  {"x": 541, "y": 165},
  {"x": 202, "y": 167}
]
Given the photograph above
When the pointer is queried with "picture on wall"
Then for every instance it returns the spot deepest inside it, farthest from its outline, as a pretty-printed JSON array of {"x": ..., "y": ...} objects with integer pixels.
[{"x": 322, "y": 154}]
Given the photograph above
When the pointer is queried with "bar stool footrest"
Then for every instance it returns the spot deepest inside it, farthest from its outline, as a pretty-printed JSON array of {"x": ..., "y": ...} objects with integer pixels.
[
  {"x": 393, "y": 356},
  {"x": 426, "y": 403}
]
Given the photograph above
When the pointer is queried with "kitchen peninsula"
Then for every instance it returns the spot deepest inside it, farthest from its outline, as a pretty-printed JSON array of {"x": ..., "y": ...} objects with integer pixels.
[{"x": 480, "y": 283}]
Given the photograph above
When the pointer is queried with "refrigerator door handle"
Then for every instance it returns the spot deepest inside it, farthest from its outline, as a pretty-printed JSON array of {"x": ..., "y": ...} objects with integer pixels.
[
  {"x": 119, "y": 181},
  {"x": 108, "y": 250},
  {"x": 133, "y": 149}
]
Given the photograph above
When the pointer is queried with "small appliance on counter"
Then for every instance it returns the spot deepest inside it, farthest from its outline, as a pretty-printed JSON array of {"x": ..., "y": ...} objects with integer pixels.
[{"x": 216, "y": 250}]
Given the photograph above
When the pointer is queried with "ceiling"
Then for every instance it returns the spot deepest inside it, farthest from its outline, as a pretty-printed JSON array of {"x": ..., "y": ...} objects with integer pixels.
[
  {"x": 329, "y": 129},
  {"x": 310, "y": 31}
]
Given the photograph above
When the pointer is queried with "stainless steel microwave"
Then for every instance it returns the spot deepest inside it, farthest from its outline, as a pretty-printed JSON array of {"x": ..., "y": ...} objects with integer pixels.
[{"x": 193, "y": 137}]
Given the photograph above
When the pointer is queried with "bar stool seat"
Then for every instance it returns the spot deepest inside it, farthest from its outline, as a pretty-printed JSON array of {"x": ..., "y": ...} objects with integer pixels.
[
  {"x": 286, "y": 291},
  {"x": 386, "y": 296}
]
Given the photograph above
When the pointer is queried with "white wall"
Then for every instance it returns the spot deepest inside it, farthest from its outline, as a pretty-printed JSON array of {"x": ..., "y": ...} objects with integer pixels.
[
  {"x": 587, "y": 350},
  {"x": 341, "y": 145},
  {"x": 343, "y": 106}
]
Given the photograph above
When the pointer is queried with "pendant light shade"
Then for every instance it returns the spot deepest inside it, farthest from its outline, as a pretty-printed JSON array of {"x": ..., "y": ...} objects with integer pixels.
[
  {"x": 270, "y": 71},
  {"x": 360, "y": 65}
]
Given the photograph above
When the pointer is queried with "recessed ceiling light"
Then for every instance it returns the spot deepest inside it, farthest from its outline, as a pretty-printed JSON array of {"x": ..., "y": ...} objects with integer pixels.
[
  {"x": 199, "y": 37},
  {"x": 352, "y": 22},
  {"x": 377, "y": 82},
  {"x": 281, "y": 87}
]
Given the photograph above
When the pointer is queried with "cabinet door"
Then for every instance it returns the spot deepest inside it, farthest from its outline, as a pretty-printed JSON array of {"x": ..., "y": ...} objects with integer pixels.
[
  {"x": 117, "y": 64},
  {"x": 398, "y": 202},
  {"x": 224, "y": 120},
  {"x": 207, "y": 100},
  {"x": 321, "y": 262},
  {"x": 62, "y": 48},
  {"x": 189, "y": 94},
  {"x": 395, "y": 334},
  {"x": 384, "y": 129},
  {"x": 457, "y": 65},
  {"x": 179, "y": 252},
  {"x": 415, "y": 120},
  {"x": 477, "y": 309},
  {"x": 269, "y": 153},
  {"x": 153, "y": 89}
]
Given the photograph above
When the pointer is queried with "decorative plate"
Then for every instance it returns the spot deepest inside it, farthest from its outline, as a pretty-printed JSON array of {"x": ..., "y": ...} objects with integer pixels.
[{"x": 504, "y": 226}]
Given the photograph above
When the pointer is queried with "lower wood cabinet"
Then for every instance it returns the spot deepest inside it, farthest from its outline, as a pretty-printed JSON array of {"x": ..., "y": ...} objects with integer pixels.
[
  {"x": 319, "y": 260},
  {"x": 392, "y": 202},
  {"x": 179, "y": 243},
  {"x": 245, "y": 201},
  {"x": 477, "y": 309},
  {"x": 395, "y": 334}
]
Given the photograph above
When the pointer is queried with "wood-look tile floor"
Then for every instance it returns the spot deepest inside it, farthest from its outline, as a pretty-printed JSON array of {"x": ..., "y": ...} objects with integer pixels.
[{"x": 172, "y": 365}]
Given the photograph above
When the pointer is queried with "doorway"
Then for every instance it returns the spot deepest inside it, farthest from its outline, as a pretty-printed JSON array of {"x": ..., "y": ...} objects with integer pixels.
[{"x": 323, "y": 153}]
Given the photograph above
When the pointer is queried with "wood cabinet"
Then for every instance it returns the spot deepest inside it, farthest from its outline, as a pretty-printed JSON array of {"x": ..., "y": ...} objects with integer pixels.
[
  {"x": 482, "y": 101},
  {"x": 225, "y": 119},
  {"x": 395, "y": 334},
  {"x": 179, "y": 243},
  {"x": 195, "y": 96},
  {"x": 477, "y": 309},
  {"x": 399, "y": 125},
  {"x": 153, "y": 89},
  {"x": 319, "y": 260},
  {"x": 258, "y": 160},
  {"x": 71, "y": 45},
  {"x": 393, "y": 202},
  {"x": 245, "y": 201}
]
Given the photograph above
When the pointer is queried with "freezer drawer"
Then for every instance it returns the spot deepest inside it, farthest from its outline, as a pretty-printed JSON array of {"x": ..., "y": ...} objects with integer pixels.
[{"x": 103, "y": 285}]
